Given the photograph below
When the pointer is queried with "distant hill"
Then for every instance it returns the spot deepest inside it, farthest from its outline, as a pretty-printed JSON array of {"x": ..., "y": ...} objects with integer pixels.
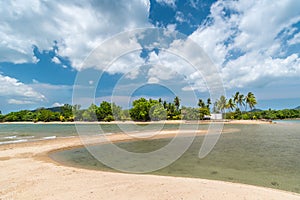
[
  {"x": 297, "y": 108},
  {"x": 256, "y": 110},
  {"x": 53, "y": 109}
]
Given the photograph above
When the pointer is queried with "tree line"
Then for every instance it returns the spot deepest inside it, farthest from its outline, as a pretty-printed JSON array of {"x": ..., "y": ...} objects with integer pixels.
[{"x": 239, "y": 106}]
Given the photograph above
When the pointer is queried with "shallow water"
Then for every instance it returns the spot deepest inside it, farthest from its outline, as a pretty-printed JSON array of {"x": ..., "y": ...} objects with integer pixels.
[
  {"x": 288, "y": 121},
  {"x": 263, "y": 155},
  {"x": 14, "y": 133}
]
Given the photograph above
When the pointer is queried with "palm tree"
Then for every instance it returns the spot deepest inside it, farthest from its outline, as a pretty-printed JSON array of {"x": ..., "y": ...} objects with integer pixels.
[
  {"x": 230, "y": 104},
  {"x": 222, "y": 102},
  {"x": 201, "y": 103},
  {"x": 250, "y": 100},
  {"x": 241, "y": 100},
  {"x": 177, "y": 102},
  {"x": 236, "y": 97},
  {"x": 208, "y": 102}
]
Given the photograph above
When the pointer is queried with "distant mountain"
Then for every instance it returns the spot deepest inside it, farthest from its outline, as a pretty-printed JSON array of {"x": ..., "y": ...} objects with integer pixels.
[
  {"x": 297, "y": 108},
  {"x": 53, "y": 109},
  {"x": 256, "y": 110}
]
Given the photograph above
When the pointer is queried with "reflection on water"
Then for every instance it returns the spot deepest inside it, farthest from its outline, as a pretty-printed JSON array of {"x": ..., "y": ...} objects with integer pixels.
[{"x": 264, "y": 155}]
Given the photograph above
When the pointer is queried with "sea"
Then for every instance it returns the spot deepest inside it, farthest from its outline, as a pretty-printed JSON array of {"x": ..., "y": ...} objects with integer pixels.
[{"x": 26, "y": 132}]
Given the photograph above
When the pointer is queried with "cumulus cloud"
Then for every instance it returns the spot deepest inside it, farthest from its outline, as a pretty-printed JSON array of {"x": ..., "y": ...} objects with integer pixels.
[
  {"x": 245, "y": 39},
  {"x": 17, "y": 93},
  {"x": 77, "y": 27}
]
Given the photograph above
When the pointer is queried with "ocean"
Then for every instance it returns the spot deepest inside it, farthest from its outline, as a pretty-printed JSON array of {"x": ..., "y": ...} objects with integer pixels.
[{"x": 18, "y": 132}]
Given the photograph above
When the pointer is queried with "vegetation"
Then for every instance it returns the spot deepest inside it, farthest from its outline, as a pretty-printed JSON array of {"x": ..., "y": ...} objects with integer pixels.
[{"x": 240, "y": 106}]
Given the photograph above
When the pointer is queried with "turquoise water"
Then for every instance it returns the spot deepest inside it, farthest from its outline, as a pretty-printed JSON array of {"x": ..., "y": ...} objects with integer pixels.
[
  {"x": 288, "y": 121},
  {"x": 263, "y": 155},
  {"x": 14, "y": 133}
]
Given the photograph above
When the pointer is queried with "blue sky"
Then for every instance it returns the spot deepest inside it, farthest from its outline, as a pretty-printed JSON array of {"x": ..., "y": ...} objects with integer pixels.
[{"x": 255, "y": 46}]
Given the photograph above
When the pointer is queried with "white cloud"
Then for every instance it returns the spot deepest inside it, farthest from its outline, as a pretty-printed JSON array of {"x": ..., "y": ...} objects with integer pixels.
[
  {"x": 164, "y": 66},
  {"x": 16, "y": 92},
  {"x": 127, "y": 64},
  {"x": 153, "y": 80},
  {"x": 56, "y": 104},
  {"x": 56, "y": 60},
  {"x": 245, "y": 44},
  {"x": 260, "y": 71},
  {"x": 179, "y": 16},
  {"x": 77, "y": 27},
  {"x": 170, "y": 3},
  {"x": 19, "y": 102},
  {"x": 295, "y": 39},
  {"x": 120, "y": 54}
]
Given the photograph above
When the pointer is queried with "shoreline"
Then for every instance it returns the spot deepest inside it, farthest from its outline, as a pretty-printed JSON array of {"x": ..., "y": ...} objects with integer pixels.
[
  {"x": 151, "y": 122},
  {"x": 29, "y": 173}
]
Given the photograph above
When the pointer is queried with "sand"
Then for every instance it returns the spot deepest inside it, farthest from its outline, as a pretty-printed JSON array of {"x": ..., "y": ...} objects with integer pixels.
[{"x": 26, "y": 172}]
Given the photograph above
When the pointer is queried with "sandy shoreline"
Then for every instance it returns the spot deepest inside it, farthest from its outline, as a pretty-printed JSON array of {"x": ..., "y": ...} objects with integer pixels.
[
  {"x": 26, "y": 172},
  {"x": 152, "y": 122}
]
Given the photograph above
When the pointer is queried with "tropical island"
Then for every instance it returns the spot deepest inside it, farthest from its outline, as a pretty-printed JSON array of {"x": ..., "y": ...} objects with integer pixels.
[{"x": 238, "y": 107}]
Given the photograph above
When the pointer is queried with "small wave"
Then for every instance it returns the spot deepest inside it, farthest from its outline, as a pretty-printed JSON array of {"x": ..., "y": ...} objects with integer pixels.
[
  {"x": 49, "y": 137},
  {"x": 13, "y": 141},
  {"x": 10, "y": 137},
  {"x": 27, "y": 137}
]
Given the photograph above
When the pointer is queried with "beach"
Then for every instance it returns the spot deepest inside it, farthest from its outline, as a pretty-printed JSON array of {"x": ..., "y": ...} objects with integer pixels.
[
  {"x": 151, "y": 122},
  {"x": 27, "y": 172}
]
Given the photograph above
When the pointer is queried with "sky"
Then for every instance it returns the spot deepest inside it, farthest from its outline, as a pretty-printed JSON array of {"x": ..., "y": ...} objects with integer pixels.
[{"x": 47, "y": 46}]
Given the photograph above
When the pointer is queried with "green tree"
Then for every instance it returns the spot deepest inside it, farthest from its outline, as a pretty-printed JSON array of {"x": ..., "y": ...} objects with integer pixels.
[
  {"x": 241, "y": 100},
  {"x": 165, "y": 104},
  {"x": 201, "y": 103},
  {"x": 103, "y": 111},
  {"x": 67, "y": 112},
  {"x": 157, "y": 112},
  {"x": 230, "y": 104},
  {"x": 125, "y": 115},
  {"x": 90, "y": 113},
  {"x": 221, "y": 104},
  {"x": 77, "y": 113},
  {"x": 208, "y": 102},
  {"x": 203, "y": 112},
  {"x": 171, "y": 110},
  {"x": 140, "y": 110},
  {"x": 236, "y": 97},
  {"x": 189, "y": 113},
  {"x": 204, "y": 109},
  {"x": 117, "y": 112},
  {"x": 177, "y": 103},
  {"x": 47, "y": 115},
  {"x": 250, "y": 100}
]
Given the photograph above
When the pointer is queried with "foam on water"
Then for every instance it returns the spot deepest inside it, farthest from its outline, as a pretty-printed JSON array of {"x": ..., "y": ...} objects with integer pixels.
[{"x": 13, "y": 141}]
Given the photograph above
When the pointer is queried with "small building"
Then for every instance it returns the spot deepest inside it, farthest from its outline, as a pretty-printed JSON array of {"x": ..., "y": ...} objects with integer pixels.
[{"x": 216, "y": 116}]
